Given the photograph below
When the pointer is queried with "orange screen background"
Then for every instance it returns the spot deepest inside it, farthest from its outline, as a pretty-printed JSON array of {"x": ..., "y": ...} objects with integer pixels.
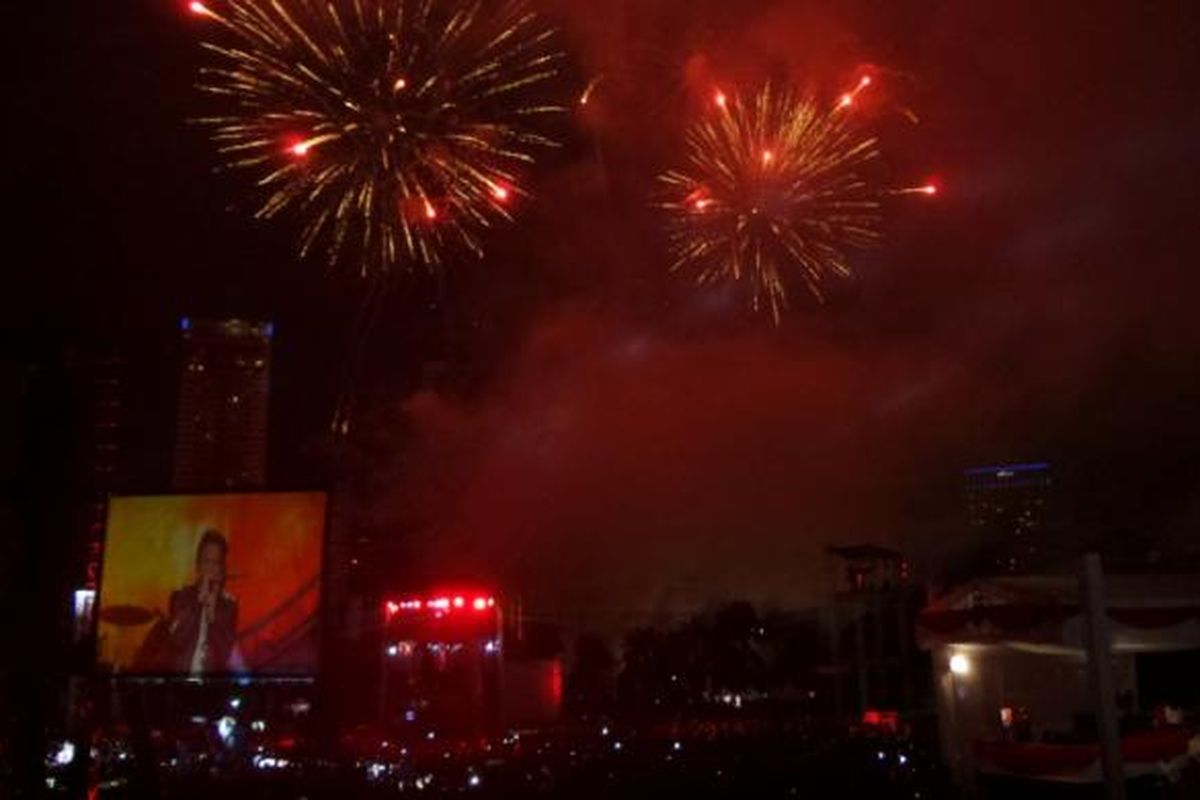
[{"x": 273, "y": 564}]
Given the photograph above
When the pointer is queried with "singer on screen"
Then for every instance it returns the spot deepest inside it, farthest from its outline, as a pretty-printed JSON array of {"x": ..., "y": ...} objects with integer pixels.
[{"x": 202, "y": 617}]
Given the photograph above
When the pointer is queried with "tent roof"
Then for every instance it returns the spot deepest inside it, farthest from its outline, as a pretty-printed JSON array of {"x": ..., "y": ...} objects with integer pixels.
[{"x": 1146, "y": 612}]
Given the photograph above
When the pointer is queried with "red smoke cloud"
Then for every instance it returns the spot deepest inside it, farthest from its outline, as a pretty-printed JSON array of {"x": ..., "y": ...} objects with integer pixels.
[{"x": 620, "y": 470}]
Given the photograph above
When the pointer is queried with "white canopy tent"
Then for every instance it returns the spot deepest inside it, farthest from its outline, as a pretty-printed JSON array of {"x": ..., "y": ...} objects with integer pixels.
[{"x": 1009, "y": 653}]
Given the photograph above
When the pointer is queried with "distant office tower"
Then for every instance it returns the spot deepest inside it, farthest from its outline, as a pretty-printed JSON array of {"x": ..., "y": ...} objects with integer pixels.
[
  {"x": 1007, "y": 507},
  {"x": 224, "y": 390}
]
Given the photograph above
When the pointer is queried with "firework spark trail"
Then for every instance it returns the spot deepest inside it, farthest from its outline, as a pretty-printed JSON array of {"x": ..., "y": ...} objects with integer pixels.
[
  {"x": 395, "y": 130},
  {"x": 774, "y": 185}
]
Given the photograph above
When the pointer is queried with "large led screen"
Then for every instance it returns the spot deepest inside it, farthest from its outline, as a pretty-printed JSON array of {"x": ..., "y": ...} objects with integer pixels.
[{"x": 221, "y": 584}]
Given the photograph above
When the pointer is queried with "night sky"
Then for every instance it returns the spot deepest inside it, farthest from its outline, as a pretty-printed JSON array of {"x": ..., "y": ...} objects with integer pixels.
[{"x": 615, "y": 435}]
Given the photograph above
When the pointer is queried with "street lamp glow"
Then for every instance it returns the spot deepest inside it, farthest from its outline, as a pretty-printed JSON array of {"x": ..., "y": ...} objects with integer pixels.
[{"x": 960, "y": 665}]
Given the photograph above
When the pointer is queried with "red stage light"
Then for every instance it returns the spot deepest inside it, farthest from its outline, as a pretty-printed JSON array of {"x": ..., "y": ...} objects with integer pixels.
[
  {"x": 882, "y": 720},
  {"x": 392, "y": 608},
  {"x": 442, "y": 603},
  {"x": 199, "y": 8},
  {"x": 556, "y": 684}
]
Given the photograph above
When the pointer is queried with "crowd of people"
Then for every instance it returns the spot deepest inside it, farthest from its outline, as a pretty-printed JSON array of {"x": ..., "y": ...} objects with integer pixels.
[{"x": 234, "y": 753}]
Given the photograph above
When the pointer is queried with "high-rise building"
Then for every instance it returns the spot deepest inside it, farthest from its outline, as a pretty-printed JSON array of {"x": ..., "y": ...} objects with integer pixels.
[
  {"x": 98, "y": 383},
  {"x": 221, "y": 417},
  {"x": 1007, "y": 510}
]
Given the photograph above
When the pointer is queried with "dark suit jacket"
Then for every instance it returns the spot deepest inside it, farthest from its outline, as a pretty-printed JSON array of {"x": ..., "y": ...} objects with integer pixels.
[{"x": 184, "y": 629}]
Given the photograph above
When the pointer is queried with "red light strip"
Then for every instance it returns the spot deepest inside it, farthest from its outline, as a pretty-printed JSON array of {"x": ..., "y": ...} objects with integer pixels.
[{"x": 443, "y": 604}]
